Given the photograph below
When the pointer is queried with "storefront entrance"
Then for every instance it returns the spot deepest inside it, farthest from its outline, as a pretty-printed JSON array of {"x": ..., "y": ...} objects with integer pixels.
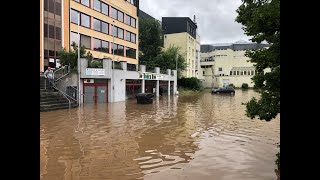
[{"x": 95, "y": 92}]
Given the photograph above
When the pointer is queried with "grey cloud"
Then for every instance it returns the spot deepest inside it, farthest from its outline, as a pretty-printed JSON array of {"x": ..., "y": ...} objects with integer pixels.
[{"x": 215, "y": 18}]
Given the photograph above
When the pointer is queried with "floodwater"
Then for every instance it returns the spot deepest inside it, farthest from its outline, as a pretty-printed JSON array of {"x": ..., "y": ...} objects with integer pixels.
[{"x": 200, "y": 136}]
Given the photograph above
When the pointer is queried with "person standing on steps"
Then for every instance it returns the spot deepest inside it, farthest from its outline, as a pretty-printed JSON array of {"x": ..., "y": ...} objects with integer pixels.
[{"x": 48, "y": 74}]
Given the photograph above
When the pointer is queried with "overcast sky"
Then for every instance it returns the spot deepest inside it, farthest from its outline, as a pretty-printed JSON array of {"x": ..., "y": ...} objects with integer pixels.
[{"x": 215, "y": 18}]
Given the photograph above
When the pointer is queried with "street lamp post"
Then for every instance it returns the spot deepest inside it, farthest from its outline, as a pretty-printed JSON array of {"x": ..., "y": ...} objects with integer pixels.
[
  {"x": 113, "y": 98},
  {"x": 177, "y": 72},
  {"x": 79, "y": 70}
]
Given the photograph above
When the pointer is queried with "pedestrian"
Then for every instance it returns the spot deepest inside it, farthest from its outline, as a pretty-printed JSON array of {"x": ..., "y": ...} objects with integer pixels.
[{"x": 49, "y": 75}]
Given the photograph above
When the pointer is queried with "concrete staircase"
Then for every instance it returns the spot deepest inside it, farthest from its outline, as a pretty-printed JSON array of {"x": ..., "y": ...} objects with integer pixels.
[{"x": 50, "y": 100}]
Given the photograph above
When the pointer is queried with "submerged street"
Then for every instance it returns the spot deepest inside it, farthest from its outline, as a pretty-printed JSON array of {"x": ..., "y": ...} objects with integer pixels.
[{"x": 198, "y": 136}]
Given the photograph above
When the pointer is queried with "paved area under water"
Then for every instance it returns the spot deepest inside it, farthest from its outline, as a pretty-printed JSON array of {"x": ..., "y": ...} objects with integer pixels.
[{"x": 200, "y": 136}]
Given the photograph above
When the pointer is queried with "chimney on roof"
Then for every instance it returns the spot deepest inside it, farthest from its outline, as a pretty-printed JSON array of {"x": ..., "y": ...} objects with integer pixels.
[{"x": 194, "y": 19}]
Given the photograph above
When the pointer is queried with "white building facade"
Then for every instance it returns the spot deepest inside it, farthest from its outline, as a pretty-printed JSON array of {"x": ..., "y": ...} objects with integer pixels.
[{"x": 225, "y": 64}]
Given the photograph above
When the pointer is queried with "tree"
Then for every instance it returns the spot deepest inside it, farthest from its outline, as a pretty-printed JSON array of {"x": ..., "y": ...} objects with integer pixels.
[
  {"x": 71, "y": 57},
  {"x": 261, "y": 19},
  {"x": 168, "y": 59},
  {"x": 149, "y": 41}
]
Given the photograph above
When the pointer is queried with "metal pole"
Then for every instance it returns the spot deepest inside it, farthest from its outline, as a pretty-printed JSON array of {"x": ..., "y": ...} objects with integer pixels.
[
  {"x": 78, "y": 63},
  {"x": 113, "y": 62},
  {"x": 177, "y": 71}
]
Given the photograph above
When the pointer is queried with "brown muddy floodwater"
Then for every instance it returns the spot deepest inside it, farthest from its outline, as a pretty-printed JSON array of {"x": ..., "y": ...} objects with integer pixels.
[{"x": 199, "y": 137}]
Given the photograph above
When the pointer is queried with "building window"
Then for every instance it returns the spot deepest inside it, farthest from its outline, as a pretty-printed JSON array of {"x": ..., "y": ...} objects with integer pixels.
[
  {"x": 104, "y": 8},
  {"x": 230, "y": 73},
  {"x": 252, "y": 73},
  {"x": 241, "y": 73},
  {"x": 58, "y": 33},
  {"x": 120, "y": 50},
  {"x": 96, "y": 24},
  {"x": 114, "y": 31},
  {"x": 58, "y": 8},
  {"x": 86, "y": 2},
  {"x": 114, "y": 13},
  {"x": 51, "y": 6},
  {"x": 114, "y": 48},
  {"x": 120, "y": 16},
  {"x": 85, "y": 20},
  {"x": 96, "y": 44},
  {"x": 249, "y": 73},
  {"x": 133, "y": 22},
  {"x": 130, "y": 52},
  {"x": 85, "y": 41},
  {"x": 105, "y": 46},
  {"x": 51, "y": 31},
  {"x": 97, "y": 5},
  {"x": 105, "y": 27},
  {"x": 74, "y": 38},
  {"x": 220, "y": 69},
  {"x": 245, "y": 73},
  {"x": 203, "y": 72},
  {"x": 120, "y": 33},
  {"x": 237, "y": 73},
  {"x": 74, "y": 16},
  {"x": 45, "y": 30},
  {"x": 234, "y": 73},
  {"x": 133, "y": 38},
  {"x": 128, "y": 19},
  {"x": 128, "y": 36}
]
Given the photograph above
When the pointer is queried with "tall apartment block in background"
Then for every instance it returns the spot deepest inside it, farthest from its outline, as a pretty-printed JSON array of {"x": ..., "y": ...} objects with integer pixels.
[{"x": 59, "y": 28}]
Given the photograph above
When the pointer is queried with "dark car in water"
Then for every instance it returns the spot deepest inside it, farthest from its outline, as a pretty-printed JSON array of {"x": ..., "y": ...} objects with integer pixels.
[{"x": 227, "y": 89}]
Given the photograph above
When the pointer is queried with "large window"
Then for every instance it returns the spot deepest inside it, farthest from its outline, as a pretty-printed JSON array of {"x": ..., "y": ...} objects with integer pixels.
[
  {"x": 114, "y": 13},
  {"x": 85, "y": 41},
  {"x": 120, "y": 33},
  {"x": 104, "y": 8},
  {"x": 96, "y": 44},
  {"x": 105, "y": 46},
  {"x": 120, "y": 50},
  {"x": 128, "y": 19},
  {"x": 130, "y": 52},
  {"x": 104, "y": 27},
  {"x": 96, "y": 24},
  {"x": 74, "y": 38},
  {"x": 74, "y": 16},
  {"x": 114, "y": 48},
  {"x": 115, "y": 31},
  {"x": 85, "y": 2},
  {"x": 133, "y": 22},
  {"x": 133, "y": 38},
  {"x": 51, "y": 6},
  {"x": 97, "y": 5},
  {"x": 220, "y": 68},
  {"x": 51, "y": 31},
  {"x": 128, "y": 35},
  {"x": 120, "y": 16},
  {"x": 58, "y": 33},
  {"x": 58, "y": 8},
  {"x": 85, "y": 20}
]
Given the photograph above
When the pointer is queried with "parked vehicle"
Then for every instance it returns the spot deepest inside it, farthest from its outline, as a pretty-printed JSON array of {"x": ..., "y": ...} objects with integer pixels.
[{"x": 227, "y": 89}]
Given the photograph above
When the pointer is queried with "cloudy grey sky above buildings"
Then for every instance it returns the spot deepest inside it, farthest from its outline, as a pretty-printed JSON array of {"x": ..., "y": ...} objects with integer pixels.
[{"x": 215, "y": 18}]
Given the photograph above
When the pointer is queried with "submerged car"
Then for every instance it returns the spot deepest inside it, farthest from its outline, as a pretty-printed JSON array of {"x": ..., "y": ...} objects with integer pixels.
[{"x": 227, "y": 89}]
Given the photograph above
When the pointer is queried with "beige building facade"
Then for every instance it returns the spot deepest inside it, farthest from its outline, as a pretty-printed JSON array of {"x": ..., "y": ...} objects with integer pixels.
[{"x": 227, "y": 64}]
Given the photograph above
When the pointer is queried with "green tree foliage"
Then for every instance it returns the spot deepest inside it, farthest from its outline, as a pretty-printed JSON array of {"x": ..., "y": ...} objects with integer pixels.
[
  {"x": 167, "y": 60},
  {"x": 261, "y": 20},
  {"x": 71, "y": 57},
  {"x": 190, "y": 83},
  {"x": 150, "y": 48},
  {"x": 149, "y": 41}
]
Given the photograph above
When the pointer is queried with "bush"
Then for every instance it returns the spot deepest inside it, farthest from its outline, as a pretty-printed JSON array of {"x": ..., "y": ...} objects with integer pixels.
[
  {"x": 245, "y": 86},
  {"x": 190, "y": 83},
  {"x": 231, "y": 85},
  {"x": 95, "y": 64}
]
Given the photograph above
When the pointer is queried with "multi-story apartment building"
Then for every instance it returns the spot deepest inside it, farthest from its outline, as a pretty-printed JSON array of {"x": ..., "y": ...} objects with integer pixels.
[
  {"x": 224, "y": 64},
  {"x": 62, "y": 20},
  {"x": 181, "y": 32},
  {"x": 198, "y": 50}
]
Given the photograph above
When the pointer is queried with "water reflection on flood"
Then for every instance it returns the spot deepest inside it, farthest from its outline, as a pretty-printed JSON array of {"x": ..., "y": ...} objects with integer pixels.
[{"x": 200, "y": 136}]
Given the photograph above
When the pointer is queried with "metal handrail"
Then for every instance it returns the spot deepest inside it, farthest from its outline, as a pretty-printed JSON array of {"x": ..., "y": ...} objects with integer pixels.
[
  {"x": 64, "y": 94},
  {"x": 69, "y": 85},
  {"x": 66, "y": 67}
]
